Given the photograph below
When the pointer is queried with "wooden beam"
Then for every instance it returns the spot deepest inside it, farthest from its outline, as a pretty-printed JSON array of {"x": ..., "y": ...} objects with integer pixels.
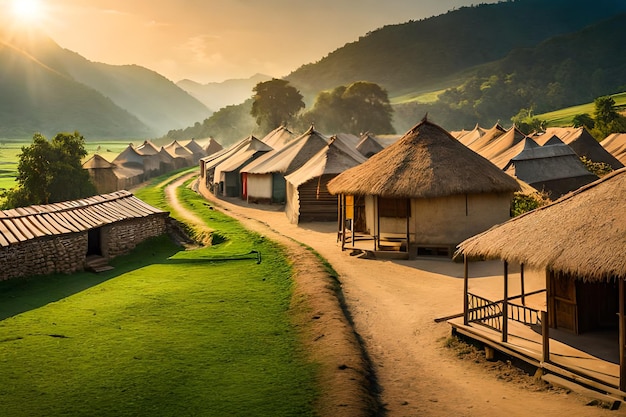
[
  {"x": 521, "y": 275},
  {"x": 545, "y": 338},
  {"x": 465, "y": 290},
  {"x": 505, "y": 305},
  {"x": 408, "y": 224}
]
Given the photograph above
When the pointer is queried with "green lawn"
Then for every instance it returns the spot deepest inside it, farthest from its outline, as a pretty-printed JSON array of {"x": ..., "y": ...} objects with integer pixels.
[
  {"x": 563, "y": 117},
  {"x": 166, "y": 333}
]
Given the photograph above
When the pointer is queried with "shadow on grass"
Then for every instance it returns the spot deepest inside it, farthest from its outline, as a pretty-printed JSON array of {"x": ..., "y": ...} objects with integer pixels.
[{"x": 24, "y": 294}]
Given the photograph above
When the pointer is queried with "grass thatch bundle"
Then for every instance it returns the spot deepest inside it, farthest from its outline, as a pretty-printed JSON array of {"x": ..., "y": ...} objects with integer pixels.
[
  {"x": 582, "y": 233},
  {"x": 427, "y": 162}
]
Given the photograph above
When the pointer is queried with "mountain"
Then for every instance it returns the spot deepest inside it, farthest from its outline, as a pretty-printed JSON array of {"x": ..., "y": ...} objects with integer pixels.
[
  {"x": 45, "y": 88},
  {"x": 431, "y": 54},
  {"x": 218, "y": 95}
]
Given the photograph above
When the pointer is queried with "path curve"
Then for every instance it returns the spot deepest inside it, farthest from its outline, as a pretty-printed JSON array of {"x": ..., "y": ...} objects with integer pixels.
[{"x": 345, "y": 378}]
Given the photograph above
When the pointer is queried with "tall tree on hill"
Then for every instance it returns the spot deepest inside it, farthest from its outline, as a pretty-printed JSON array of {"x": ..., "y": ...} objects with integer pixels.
[
  {"x": 275, "y": 102},
  {"x": 607, "y": 119},
  {"x": 51, "y": 171},
  {"x": 361, "y": 107}
]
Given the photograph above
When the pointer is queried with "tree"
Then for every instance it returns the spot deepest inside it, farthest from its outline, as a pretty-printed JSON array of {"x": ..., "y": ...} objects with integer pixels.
[
  {"x": 361, "y": 107},
  {"x": 583, "y": 120},
  {"x": 275, "y": 102},
  {"x": 51, "y": 171},
  {"x": 607, "y": 119},
  {"x": 527, "y": 123}
]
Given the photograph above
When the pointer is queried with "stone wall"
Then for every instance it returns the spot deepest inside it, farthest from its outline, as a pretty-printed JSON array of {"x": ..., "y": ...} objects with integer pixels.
[
  {"x": 66, "y": 253},
  {"x": 121, "y": 238},
  {"x": 47, "y": 255}
]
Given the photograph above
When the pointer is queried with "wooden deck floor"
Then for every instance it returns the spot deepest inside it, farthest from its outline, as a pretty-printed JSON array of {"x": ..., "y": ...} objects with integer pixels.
[{"x": 591, "y": 358}]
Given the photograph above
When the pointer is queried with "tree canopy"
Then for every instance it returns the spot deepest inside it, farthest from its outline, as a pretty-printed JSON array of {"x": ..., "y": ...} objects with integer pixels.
[
  {"x": 51, "y": 171},
  {"x": 275, "y": 102},
  {"x": 358, "y": 108}
]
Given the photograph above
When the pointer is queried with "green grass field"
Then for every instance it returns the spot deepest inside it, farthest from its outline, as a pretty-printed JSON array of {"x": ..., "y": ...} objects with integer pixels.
[
  {"x": 564, "y": 117},
  {"x": 166, "y": 333}
]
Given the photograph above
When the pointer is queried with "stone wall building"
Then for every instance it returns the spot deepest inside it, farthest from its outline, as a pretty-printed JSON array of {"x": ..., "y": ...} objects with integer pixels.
[{"x": 61, "y": 237}]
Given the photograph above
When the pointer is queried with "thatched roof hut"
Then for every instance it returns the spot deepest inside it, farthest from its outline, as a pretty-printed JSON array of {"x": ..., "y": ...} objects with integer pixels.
[
  {"x": 427, "y": 187},
  {"x": 554, "y": 167},
  {"x": 426, "y": 162},
  {"x": 581, "y": 234},
  {"x": 581, "y": 141},
  {"x": 101, "y": 174},
  {"x": 307, "y": 197},
  {"x": 482, "y": 140}
]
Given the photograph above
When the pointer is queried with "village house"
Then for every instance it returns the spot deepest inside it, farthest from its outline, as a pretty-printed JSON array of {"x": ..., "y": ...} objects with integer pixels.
[
  {"x": 74, "y": 235},
  {"x": 575, "y": 329}
]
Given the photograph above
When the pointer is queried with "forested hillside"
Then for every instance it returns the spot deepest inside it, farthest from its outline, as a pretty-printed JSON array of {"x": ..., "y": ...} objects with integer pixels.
[
  {"x": 432, "y": 53},
  {"x": 45, "y": 88}
]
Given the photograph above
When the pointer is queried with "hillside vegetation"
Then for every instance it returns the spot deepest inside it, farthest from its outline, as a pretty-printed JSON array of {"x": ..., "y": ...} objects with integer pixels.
[
  {"x": 479, "y": 64},
  {"x": 45, "y": 88}
]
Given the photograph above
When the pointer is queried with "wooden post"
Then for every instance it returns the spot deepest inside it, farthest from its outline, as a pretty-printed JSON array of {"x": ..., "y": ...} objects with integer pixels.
[
  {"x": 408, "y": 224},
  {"x": 622, "y": 338},
  {"x": 465, "y": 290},
  {"x": 545, "y": 338},
  {"x": 377, "y": 236},
  {"x": 342, "y": 202},
  {"x": 505, "y": 304},
  {"x": 521, "y": 275}
]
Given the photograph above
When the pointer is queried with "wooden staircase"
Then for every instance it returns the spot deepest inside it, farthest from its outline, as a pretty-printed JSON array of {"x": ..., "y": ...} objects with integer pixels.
[{"x": 97, "y": 263}]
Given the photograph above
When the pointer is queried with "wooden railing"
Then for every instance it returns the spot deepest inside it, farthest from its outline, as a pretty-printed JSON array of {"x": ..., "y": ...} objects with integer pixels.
[
  {"x": 489, "y": 313},
  {"x": 523, "y": 314},
  {"x": 484, "y": 311}
]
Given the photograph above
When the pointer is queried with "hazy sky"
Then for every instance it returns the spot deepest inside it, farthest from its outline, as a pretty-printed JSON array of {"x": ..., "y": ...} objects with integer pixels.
[{"x": 214, "y": 40}]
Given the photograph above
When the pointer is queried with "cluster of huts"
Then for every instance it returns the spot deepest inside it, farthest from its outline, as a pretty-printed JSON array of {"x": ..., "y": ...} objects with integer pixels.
[{"x": 136, "y": 164}]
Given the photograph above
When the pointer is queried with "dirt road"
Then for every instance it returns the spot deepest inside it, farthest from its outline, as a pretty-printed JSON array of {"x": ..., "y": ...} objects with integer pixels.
[{"x": 393, "y": 305}]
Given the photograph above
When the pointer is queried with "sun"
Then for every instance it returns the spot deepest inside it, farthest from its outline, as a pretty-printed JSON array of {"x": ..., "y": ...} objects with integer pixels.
[{"x": 27, "y": 10}]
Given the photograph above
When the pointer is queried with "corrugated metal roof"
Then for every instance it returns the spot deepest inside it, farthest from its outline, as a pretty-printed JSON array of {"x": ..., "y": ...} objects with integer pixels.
[{"x": 25, "y": 223}]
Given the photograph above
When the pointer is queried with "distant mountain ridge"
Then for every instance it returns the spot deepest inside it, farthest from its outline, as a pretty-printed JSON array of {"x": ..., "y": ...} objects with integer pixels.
[
  {"x": 432, "y": 53},
  {"x": 45, "y": 88},
  {"x": 218, "y": 95}
]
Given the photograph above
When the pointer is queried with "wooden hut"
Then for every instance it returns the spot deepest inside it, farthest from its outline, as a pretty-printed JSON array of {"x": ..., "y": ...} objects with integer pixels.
[
  {"x": 426, "y": 193},
  {"x": 68, "y": 236},
  {"x": 308, "y": 198},
  {"x": 227, "y": 174},
  {"x": 151, "y": 159},
  {"x": 554, "y": 168},
  {"x": 101, "y": 174},
  {"x": 581, "y": 141},
  {"x": 578, "y": 241},
  {"x": 212, "y": 146},
  {"x": 182, "y": 156},
  {"x": 197, "y": 151},
  {"x": 129, "y": 168},
  {"x": 264, "y": 178}
]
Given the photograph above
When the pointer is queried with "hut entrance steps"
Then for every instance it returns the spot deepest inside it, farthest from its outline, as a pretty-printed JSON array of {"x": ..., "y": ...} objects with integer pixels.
[{"x": 97, "y": 263}]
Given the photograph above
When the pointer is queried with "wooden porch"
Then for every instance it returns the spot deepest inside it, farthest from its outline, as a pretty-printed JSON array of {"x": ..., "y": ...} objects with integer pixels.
[{"x": 590, "y": 362}]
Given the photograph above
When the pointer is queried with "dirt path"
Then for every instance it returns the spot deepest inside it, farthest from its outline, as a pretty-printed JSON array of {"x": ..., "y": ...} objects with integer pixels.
[
  {"x": 393, "y": 305},
  {"x": 327, "y": 334}
]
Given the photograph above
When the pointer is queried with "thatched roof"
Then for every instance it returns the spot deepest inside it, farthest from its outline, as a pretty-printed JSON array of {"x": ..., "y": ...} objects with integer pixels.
[
  {"x": 368, "y": 145},
  {"x": 178, "y": 151},
  {"x": 582, "y": 233},
  {"x": 290, "y": 157},
  {"x": 147, "y": 148},
  {"x": 615, "y": 144},
  {"x": 212, "y": 147},
  {"x": 426, "y": 162},
  {"x": 129, "y": 157},
  {"x": 97, "y": 162},
  {"x": 194, "y": 147},
  {"x": 278, "y": 137},
  {"x": 581, "y": 141},
  {"x": 502, "y": 144},
  {"x": 334, "y": 158},
  {"x": 485, "y": 139}
]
